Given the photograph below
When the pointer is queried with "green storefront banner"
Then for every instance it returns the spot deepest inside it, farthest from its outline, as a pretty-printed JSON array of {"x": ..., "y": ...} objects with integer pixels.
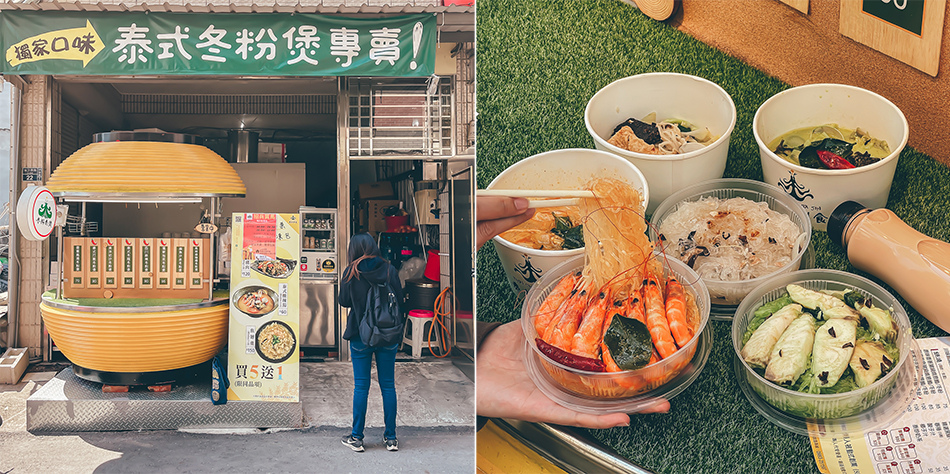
[{"x": 245, "y": 44}]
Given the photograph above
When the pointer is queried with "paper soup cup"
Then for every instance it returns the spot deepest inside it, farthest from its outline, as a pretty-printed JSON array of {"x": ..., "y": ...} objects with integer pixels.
[
  {"x": 559, "y": 169},
  {"x": 670, "y": 95},
  {"x": 820, "y": 191}
]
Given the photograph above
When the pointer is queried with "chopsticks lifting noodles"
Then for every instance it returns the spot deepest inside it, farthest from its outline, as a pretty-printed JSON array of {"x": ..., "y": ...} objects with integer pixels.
[
  {"x": 537, "y": 193},
  {"x": 552, "y": 202},
  {"x": 541, "y": 197}
]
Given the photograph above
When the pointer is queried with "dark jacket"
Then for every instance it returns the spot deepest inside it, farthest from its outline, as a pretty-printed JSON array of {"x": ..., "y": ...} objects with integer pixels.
[{"x": 353, "y": 292}]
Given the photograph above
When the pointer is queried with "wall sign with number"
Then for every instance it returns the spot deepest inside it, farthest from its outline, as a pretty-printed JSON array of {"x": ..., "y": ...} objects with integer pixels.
[{"x": 907, "y": 30}]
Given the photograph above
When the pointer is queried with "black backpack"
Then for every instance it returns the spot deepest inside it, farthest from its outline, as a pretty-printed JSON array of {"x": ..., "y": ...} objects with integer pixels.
[{"x": 382, "y": 324}]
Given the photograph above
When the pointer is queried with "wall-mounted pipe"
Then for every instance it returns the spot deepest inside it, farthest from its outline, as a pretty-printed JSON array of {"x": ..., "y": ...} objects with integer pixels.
[{"x": 13, "y": 286}]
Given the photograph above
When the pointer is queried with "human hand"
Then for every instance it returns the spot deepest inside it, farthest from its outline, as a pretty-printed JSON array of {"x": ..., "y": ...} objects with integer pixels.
[
  {"x": 497, "y": 214},
  {"x": 504, "y": 390}
]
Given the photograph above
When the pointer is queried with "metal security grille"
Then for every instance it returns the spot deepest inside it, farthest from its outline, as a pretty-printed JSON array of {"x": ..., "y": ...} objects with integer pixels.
[
  {"x": 400, "y": 117},
  {"x": 199, "y": 104},
  {"x": 464, "y": 54}
]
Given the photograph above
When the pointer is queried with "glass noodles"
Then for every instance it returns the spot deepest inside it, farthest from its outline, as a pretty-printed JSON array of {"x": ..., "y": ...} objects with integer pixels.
[{"x": 730, "y": 239}]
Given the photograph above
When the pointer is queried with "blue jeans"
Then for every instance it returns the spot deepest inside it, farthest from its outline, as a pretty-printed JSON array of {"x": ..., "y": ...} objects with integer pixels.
[{"x": 362, "y": 356}]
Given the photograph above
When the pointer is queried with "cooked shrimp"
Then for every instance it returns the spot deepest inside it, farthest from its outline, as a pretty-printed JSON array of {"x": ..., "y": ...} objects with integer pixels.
[
  {"x": 628, "y": 380},
  {"x": 562, "y": 327},
  {"x": 609, "y": 362},
  {"x": 656, "y": 318},
  {"x": 636, "y": 306},
  {"x": 676, "y": 312},
  {"x": 619, "y": 307},
  {"x": 558, "y": 295},
  {"x": 590, "y": 333}
]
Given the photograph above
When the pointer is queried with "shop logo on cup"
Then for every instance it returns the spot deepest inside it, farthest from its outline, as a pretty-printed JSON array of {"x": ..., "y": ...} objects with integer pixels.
[
  {"x": 528, "y": 272},
  {"x": 795, "y": 190}
]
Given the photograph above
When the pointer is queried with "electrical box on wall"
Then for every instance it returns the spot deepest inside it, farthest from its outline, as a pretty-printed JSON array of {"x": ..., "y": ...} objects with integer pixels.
[{"x": 427, "y": 210}]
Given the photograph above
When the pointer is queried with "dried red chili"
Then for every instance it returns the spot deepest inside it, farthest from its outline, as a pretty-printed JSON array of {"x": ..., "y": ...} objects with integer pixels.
[
  {"x": 571, "y": 360},
  {"x": 833, "y": 161}
]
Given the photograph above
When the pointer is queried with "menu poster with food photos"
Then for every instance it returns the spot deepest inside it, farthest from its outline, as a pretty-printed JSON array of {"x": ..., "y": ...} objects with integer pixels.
[{"x": 264, "y": 331}]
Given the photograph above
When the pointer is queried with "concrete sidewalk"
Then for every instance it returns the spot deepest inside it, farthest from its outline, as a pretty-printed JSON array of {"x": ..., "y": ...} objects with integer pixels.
[{"x": 435, "y": 427}]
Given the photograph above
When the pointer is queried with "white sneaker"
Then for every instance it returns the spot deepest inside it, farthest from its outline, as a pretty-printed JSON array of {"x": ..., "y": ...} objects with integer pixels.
[{"x": 391, "y": 444}]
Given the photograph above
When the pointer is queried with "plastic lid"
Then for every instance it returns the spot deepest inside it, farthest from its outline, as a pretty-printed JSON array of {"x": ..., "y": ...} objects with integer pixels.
[
  {"x": 420, "y": 313},
  {"x": 839, "y": 219}
]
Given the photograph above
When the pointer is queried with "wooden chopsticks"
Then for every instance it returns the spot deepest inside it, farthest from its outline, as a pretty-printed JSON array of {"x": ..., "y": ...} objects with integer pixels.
[
  {"x": 541, "y": 197},
  {"x": 537, "y": 193}
]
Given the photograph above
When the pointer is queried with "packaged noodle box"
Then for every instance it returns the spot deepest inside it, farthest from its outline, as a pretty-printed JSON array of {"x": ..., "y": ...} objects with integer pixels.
[
  {"x": 128, "y": 275},
  {"x": 74, "y": 271},
  {"x": 93, "y": 265},
  {"x": 110, "y": 270},
  {"x": 163, "y": 263},
  {"x": 196, "y": 262},
  {"x": 146, "y": 278},
  {"x": 180, "y": 264}
]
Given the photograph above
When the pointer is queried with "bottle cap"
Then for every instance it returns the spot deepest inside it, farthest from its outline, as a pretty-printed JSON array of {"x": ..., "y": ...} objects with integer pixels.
[{"x": 839, "y": 219}]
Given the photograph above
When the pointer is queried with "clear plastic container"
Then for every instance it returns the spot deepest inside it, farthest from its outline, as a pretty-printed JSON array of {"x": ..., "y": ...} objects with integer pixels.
[
  {"x": 726, "y": 295},
  {"x": 603, "y": 392},
  {"x": 877, "y": 403}
]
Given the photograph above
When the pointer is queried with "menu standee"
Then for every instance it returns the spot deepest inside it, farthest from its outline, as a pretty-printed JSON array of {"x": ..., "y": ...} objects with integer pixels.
[{"x": 264, "y": 350}]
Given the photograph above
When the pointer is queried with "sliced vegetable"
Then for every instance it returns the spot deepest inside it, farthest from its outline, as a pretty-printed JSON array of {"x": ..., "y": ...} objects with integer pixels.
[
  {"x": 629, "y": 342},
  {"x": 869, "y": 362},
  {"x": 757, "y": 351},
  {"x": 568, "y": 359},
  {"x": 792, "y": 352},
  {"x": 831, "y": 307},
  {"x": 834, "y": 344},
  {"x": 879, "y": 320},
  {"x": 573, "y": 235}
]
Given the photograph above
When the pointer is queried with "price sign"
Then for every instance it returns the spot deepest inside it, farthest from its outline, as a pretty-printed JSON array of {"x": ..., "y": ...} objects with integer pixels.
[{"x": 206, "y": 228}]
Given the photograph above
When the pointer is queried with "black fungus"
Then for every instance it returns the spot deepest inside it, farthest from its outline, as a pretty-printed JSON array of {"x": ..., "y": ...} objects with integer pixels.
[{"x": 644, "y": 131}]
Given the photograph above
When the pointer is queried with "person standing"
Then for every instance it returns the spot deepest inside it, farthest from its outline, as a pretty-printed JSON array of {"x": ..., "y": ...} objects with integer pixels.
[{"x": 366, "y": 268}]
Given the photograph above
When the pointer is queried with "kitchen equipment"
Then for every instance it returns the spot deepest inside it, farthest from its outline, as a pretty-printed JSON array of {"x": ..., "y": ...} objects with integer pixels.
[
  {"x": 243, "y": 146},
  {"x": 319, "y": 275},
  {"x": 422, "y": 293}
]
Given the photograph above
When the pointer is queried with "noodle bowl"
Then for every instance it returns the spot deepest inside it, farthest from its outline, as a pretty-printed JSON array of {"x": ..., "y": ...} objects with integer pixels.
[
  {"x": 275, "y": 341},
  {"x": 558, "y": 169}
]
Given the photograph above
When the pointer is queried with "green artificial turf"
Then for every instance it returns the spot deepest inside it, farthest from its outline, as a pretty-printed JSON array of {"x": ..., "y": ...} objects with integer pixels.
[{"x": 538, "y": 64}]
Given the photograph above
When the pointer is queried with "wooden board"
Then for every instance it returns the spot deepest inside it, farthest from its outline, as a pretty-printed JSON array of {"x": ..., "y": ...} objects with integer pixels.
[
  {"x": 897, "y": 37},
  {"x": 800, "y": 5}
]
